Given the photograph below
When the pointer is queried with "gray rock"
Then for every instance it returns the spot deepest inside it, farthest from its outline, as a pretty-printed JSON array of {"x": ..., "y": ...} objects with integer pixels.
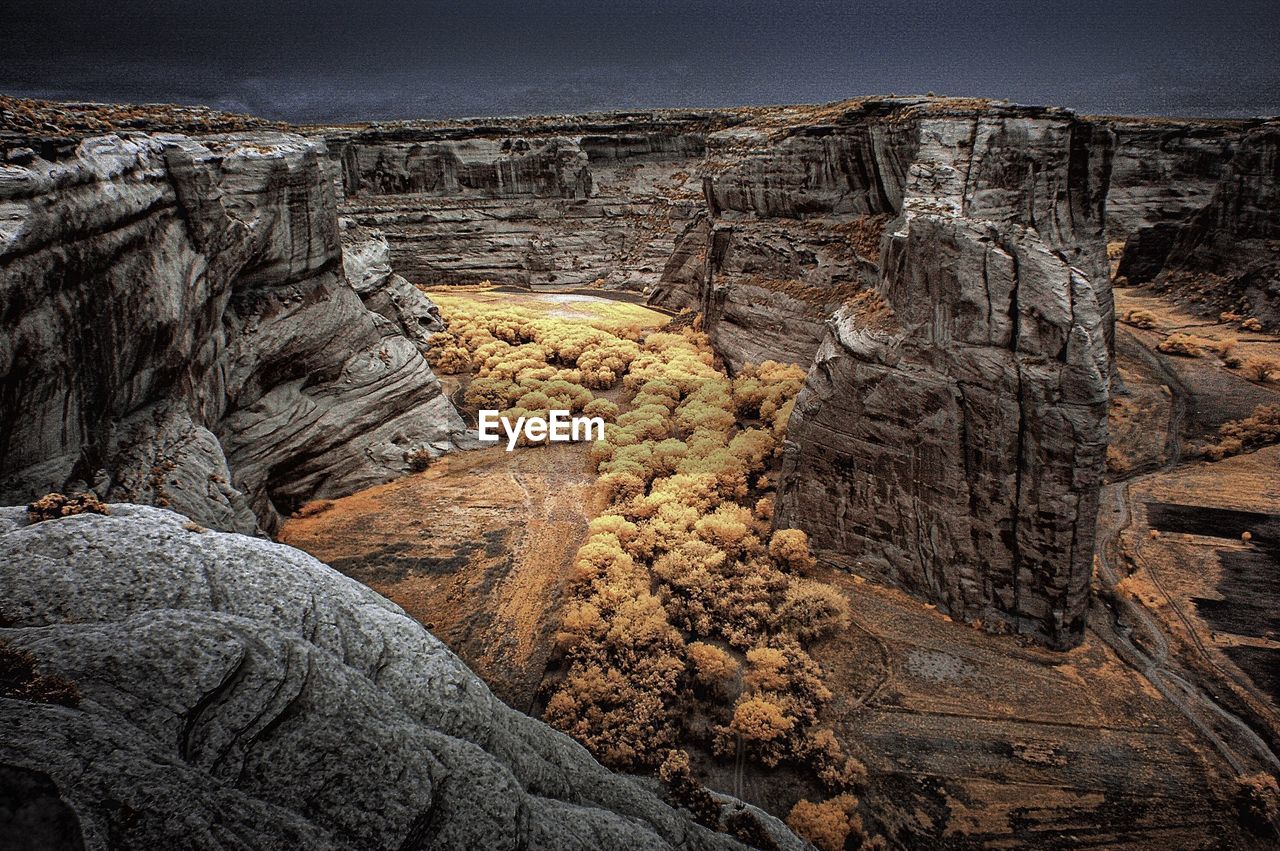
[
  {"x": 162, "y": 291},
  {"x": 238, "y": 693},
  {"x": 366, "y": 261},
  {"x": 957, "y": 449}
]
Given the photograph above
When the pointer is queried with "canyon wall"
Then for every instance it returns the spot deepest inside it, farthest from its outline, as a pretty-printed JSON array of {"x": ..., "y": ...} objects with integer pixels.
[
  {"x": 1194, "y": 206},
  {"x": 537, "y": 202},
  {"x": 951, "y": 434},
  {"x": 178, "y": 329},
  {"x": 1227, "y": 256},
  {"x": 247, "y": 696}
]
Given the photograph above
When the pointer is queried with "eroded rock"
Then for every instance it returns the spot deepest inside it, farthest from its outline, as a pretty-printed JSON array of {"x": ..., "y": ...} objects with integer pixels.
[
  {"x": 957, "y": 449},
  {"x": 239, "y": 693},
  {"x": 178, "y": 329}
]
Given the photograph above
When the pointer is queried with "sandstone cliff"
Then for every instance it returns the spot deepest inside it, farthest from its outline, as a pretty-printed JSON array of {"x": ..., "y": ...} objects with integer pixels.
[
  {"x": 951, "y": 439},
  {"x": 1163, "y": 173},
  {"x": 177, "y": 329},
  {"x": 1227, "y": 256},
  {"x": 536, "y": 202},
  {"x": 235, "y": 693}
]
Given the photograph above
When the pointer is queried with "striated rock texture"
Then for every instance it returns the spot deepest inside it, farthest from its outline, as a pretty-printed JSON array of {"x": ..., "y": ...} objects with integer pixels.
[
  {"x": 951, "y": 440},
  {"x": 236, "y": 693},
  {"x": 1227, "y": 257},
  {"x": 535, "y": 202},
  {"x": 794, "y": 215},
  {"x": 366, "y": 262},
  {"x": 177, "y": 329},
  {"x": 1163, "y": 173}
]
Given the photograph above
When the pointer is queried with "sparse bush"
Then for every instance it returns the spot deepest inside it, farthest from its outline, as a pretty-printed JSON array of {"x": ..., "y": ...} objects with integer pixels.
[
  {"x": 712, "y": 667},
  {"x": 1139, "y": 318},
  {"x": 1185, "y": 345},
  {"x": 1261, "y": 369},
  {"x": 812, "y": 610},
  {"x": 419, "y": 459},
  {"x": 55, "y": 505},
  {"x": 791, "y": 548},
  {"x": 829, "y": 824},
  {"x": 1261, "y": 428},
  {"x": 1251, "y": 324},
  {"x": 685, "y": 790}
]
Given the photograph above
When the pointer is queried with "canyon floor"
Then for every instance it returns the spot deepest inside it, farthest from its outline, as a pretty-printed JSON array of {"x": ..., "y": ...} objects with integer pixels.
[{"x": 1134, "y": 738}]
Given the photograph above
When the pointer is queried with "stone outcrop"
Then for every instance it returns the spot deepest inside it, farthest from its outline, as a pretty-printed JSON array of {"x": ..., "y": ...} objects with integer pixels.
[
  {"x": 1194, "y": 206},
  {"x": 236, "y": 693},
  {"x": 366, "y": 262},
  {"x": 951, "y": 439},
  {"x": 1162, "y": 174},
  {"x": 178, "y": 329},
  {"x": 1227, "y": 257},
  {"x": 539, "y": 203}
]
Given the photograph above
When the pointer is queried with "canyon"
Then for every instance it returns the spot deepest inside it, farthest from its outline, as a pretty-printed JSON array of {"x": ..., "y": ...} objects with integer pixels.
[{"x": 226, "y": 318}]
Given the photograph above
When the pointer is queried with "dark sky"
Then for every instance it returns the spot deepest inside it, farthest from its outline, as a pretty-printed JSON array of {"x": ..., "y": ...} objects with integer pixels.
[{"x": 375, "y": 59}]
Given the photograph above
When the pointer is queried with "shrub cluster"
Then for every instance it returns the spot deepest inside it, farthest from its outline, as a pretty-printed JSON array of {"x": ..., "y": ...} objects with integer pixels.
[
  {"x": 525, "y": 365},
  {"x": 829, "y": 824},
  {"x": 1186, "y": 345},
  {"x": 1139, "y": 318},
  {"x": 1261, "y": 428},
  {"x": 51, "y": 506},
  {"x": 683, "y": 594},
  {"x": 689, "y": 615}
]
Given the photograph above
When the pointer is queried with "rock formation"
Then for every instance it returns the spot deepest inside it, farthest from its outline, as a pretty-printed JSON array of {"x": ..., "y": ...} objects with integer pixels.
[
  {"x": 1163, "y": 173},
  {"x": 1227, "y": 256},
  {"x": 546, "y": 202},
  {"x": 235, "y": 693},
  {"x": 178, "y": 329},
  {"x": 1195, "y": 207},
  {"x": 952, "y": 439}
]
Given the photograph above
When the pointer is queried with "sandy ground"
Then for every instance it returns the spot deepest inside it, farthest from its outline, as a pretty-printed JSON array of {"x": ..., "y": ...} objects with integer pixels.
[{"x": 476, "y": 548}]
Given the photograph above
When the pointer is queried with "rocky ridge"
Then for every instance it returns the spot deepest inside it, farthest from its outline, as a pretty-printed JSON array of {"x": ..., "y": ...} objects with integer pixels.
[
  {"x": 235, "y": 693},
  {"x": 178, "y": 329},
  {"x": 951, "y": 439}
]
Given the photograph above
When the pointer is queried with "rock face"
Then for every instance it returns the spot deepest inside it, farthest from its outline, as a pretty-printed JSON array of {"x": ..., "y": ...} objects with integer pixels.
[
  {"x": 366, "y": 262},
  {"x": 549, "y": 202},
  {"x": 1230, "y": 250},
  {"x": 239, "y": 694},
  {"x": 1163, "y": 173},
  {"x": 791, "y": 229},
  {"x": 178, "y": 329},
  {"x": 1195, "y": 206},
  {"x": 955, "y": 446}
]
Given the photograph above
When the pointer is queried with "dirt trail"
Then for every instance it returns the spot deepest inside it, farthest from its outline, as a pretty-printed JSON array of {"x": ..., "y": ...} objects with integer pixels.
[{"x": 1187, "y": 676}]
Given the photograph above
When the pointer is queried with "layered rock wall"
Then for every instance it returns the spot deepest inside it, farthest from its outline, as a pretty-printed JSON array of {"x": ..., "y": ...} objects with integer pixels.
[
  {"x": 177, "y": 328},
  {"x": 951, "y": 439},
  {"x": 1163, "y": 174},
  {"x": 541, "y": 203},
  {"x": 1228, "y": 254}
]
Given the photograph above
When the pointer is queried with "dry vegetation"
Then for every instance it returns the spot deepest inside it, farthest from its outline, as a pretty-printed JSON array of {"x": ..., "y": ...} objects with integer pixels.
[
  {"x": 690, "y": 617},
  {"x": 51, "y": 506},
  {"x": 1139, "y": 318},
  {"x": 1261, "y": 428},
  {"x": 1186, "y": 345}
]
